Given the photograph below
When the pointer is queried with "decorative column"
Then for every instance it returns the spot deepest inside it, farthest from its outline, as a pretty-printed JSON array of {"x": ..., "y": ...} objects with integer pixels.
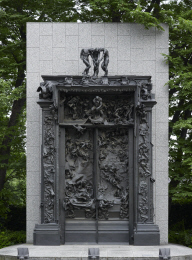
[
  {"x": 145, "y": 231},
  {"x": 48, "y": 232}
]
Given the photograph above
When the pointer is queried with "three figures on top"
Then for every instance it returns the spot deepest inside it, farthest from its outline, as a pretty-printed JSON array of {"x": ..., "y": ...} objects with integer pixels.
[{"x": 95, "y": 55}]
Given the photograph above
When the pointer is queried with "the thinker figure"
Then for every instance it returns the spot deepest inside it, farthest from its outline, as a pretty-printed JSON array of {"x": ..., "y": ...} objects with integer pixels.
[
  {"x": 105, "y": 62},
  {"x": 96, "y": 111},
  {"x": 84, "y": 55}
]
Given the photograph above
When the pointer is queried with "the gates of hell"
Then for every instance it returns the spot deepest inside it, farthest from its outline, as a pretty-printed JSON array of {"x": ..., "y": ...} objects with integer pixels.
[{"x": 97, "y": 184}]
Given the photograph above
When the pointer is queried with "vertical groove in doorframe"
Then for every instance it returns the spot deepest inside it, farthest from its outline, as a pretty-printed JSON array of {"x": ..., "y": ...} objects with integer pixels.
[
  {"x": 95, "y": 176},
  {"x": 131, "y": 184},
  {"x": 62, "y": 182}
]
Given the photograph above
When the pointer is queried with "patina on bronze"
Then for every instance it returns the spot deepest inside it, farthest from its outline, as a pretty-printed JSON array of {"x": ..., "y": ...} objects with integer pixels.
[
  {"x": 96, "y": 58},
  {"x": 97, "y": 183}
]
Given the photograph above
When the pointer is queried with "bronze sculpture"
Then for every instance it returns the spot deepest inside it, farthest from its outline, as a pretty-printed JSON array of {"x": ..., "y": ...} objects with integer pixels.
[{"x": 95, "y": 55}]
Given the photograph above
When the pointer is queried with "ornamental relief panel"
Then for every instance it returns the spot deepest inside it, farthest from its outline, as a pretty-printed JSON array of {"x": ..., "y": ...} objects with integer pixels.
[
  {"x": 98, "y": 109},
  {"x": 48, "y": 167}
]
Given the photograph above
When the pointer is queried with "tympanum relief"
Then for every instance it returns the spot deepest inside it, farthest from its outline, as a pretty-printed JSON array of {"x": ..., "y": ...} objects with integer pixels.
[{"x": 95, "y": 109}]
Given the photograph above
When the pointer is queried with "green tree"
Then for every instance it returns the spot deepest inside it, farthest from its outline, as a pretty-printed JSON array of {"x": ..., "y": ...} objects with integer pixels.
[
  {"x": 144, "y": 12},
  {"x": 13, "y": 18},
  {"x": 179, "y": 17}
]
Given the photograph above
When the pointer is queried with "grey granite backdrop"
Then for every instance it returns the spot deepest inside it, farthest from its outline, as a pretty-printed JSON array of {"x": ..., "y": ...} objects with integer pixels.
[{"x": 54, "y": 49}]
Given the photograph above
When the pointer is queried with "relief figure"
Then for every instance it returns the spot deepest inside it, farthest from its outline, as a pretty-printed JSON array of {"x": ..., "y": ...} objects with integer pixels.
[{"x": 96, "y": 111}]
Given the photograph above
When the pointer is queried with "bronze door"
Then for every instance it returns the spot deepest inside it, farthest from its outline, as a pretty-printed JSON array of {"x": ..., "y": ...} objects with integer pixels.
[
  {"x": 95, "y": 167},
  {"x": 95, "y": 188}
]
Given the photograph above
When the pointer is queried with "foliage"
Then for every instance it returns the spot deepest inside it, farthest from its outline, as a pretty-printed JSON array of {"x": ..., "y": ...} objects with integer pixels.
[
  {"x": 179, "y": 18},
  {"x": 120, "y": 11},
  {"x": 14, "y": 186},
  {"x": 181, "y": 237},
  {"x": 9, "y": 238}
]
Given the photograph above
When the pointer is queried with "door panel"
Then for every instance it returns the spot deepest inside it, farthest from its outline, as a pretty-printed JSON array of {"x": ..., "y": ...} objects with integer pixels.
[
  {"x": 96, "y": 196},
  {"x": 79, "y": 199},
  {"x": 113, "y": 183}
]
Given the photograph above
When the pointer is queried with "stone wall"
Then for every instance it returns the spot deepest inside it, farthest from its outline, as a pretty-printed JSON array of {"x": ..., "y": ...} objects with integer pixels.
[{"x": 54, "y": 49}]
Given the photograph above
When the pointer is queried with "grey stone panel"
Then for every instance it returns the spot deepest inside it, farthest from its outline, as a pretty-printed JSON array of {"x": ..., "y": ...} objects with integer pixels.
[
  {"x": 124, "y": 53},
  {"x": 32, "y": 35},
  {"x": 162, "y": 110},
  {"x": 46, "y": 47},
  {"x": 33, "y": 133},
  {"x": 162, "y": 37},
  {"x": 30, "y": 228},
  {"x": 33, "y": 60},
  {"x": 136, "y": 61},
  {"x": 161, "y": 64},
  {"x": 163, "y": 226},
  {"x": 84, "y": 35},
  {"x": 162, "y": 181},
  {"x": 136, "y": 67},
  {"x": 162, "y": 137},
  {"x": 112, "y": 61},
  {"x": 46, "y": 67},
  {"x": 71, "y": 48},
  {"x": 123, "y": 29},
  {"x": 71, "y": 67},
  {"x": 33, "y": 80},
  {"x": 162, "y": 210},
  {"x": 58, "y": 35},
  {"x": 136, "y": 35},
  {"x": 97, "y": 29},
  {"x": 149, "y": 69},
  {"x": 162, "y": 159},
  {"x": 124, "y": 67},
  {"x": 151, "y": 31},
  {"x": 33, "y": 204},
  {"x": 33, "y": 158},
  {"x": 33, "y": 183},
  {"x": 110, "y": 35},
  {"x": 72, "y": 29},
  {"x": 46, "y": 28},
  {"x": 59, "y": 65},
  {"x": 32, "y": 110},
  {"x": 148, "y": 48},
  {"x": 137, "y": 54},
  {"x": 97, "y": 41},
  {"x": 162, "y": 89}
]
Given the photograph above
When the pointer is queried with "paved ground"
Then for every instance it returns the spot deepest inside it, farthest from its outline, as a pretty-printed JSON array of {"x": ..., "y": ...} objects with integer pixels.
[{"x": 112, "y": 252}]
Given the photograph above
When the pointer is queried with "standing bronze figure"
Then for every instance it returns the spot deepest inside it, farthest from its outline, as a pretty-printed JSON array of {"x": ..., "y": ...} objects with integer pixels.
[
  {"x": 95, "y": 55},
  {"x": 84, "y": 55},
  {"x": 105, "y": 62}
]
